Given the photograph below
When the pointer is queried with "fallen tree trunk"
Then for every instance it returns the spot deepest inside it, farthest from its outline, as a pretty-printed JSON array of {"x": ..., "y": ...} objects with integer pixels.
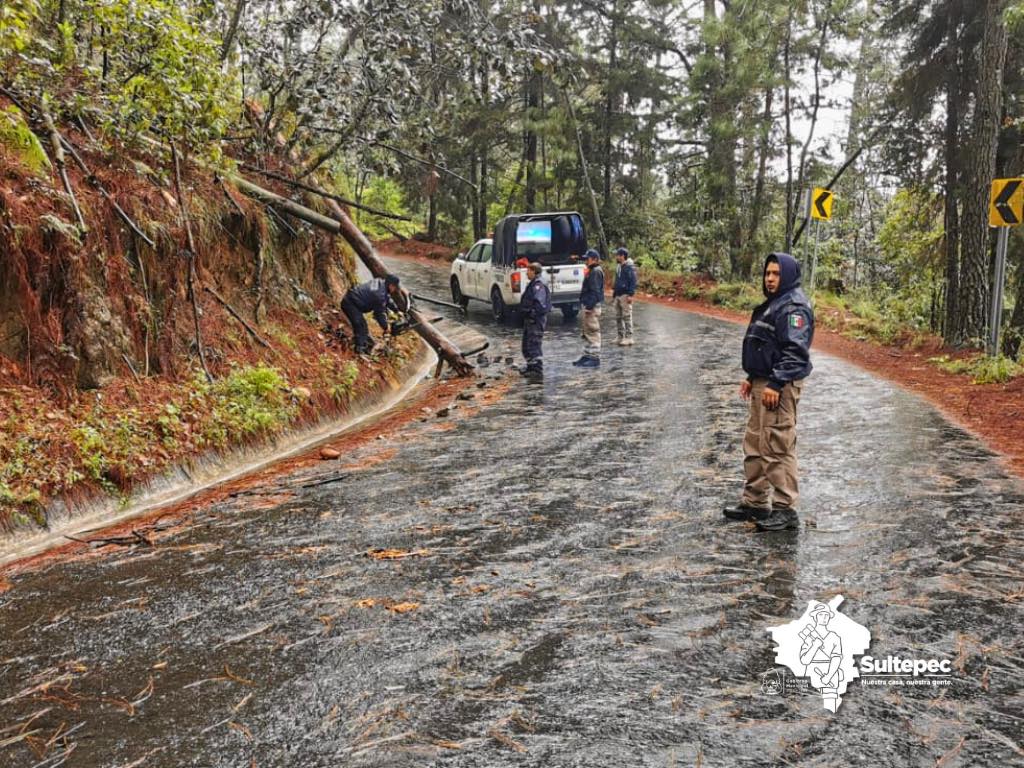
[
  {"x": 339, "y": 223},
  {"x": 355, "y": 237}
]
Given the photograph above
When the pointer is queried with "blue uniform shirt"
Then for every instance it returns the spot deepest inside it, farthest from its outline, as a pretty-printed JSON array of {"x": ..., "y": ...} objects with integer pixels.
[
  {"x": 536, "y": 302},
  {"x": 372, "y": 296},
  {"x": 592, "y": 293},
  {"x": 777, "y": 345}
]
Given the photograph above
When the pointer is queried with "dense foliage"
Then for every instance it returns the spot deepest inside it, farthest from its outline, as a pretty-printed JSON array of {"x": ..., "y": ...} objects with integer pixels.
[{"x": 687, "y": 131}]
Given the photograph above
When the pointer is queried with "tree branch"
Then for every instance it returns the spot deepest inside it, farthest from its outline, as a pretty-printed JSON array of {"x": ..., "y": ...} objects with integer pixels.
[
  {"x": 191, "y": 262},
  {"x": 421, "y": 161}
]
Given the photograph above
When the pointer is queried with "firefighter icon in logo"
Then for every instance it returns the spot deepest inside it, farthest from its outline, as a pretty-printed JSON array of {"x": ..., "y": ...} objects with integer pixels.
[
  {"x": 820, "y": 646},
  {"x": 822, "y": 653}
]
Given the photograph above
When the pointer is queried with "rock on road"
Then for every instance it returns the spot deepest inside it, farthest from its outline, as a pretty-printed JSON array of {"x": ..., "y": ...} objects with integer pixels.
[{"x": 563, "y": 589}]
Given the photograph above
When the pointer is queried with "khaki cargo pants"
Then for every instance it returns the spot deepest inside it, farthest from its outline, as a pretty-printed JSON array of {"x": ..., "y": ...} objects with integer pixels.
[
  {"x": 624, "y": 316},
  {"x": 592, "y": 331},
  {"x": 769, "y": 449}
]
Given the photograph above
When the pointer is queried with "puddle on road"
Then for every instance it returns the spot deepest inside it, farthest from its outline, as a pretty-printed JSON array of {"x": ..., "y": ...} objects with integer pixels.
[{"x": 571, "y": 595}]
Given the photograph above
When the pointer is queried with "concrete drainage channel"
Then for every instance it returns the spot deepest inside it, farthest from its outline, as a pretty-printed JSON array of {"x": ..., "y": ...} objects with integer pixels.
[{"x": 208, "y": 471}]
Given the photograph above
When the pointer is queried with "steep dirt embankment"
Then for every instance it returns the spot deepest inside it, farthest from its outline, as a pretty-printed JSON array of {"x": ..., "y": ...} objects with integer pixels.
[{"x": 101, "y": 329}]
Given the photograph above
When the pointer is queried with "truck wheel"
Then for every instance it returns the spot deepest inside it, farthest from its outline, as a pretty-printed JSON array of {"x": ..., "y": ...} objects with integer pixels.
[
  {"x": 570, "y": 311},
  {"x": 457, "y": 296},
  {"x": 498, "y": 308}
]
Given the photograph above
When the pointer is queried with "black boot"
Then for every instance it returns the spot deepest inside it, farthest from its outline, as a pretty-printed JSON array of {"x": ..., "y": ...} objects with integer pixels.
[
  {"x": 781, "y": 519},
  {"x": 742, "y": 513}
]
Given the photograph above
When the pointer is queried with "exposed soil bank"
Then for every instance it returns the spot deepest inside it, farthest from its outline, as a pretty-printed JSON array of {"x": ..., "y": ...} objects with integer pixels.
[{"x": 419, "y": 250}]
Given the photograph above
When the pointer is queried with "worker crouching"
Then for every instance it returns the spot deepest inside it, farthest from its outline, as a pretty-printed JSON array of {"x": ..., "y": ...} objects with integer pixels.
[{"x": 376, "y": 296}]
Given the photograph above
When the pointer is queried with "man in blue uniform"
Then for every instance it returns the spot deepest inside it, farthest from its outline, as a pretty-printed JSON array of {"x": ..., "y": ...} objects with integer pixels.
[
  {"x": 535, "y": 305},
  {"x": 776, "y": 358},
  {"x": 376, "y": 296},
  {"x": 592, "y": 297}
]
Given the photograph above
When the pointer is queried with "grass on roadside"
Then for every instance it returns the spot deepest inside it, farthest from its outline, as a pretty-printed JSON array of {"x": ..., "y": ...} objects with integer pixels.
[
  {"x": 112, "y": 439},
  {"x": 981, "y": 368}
]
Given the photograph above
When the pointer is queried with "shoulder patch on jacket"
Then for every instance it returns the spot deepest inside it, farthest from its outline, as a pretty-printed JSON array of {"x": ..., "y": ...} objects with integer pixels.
[{"x": 796, "y": 320}]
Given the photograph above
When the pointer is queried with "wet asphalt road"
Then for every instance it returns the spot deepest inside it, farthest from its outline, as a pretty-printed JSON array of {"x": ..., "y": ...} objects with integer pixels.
[{"x": 579, "y": 600}]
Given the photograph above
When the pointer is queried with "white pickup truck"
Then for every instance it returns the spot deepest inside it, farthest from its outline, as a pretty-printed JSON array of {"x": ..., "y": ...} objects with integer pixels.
[{"x": 492, "y": 272}]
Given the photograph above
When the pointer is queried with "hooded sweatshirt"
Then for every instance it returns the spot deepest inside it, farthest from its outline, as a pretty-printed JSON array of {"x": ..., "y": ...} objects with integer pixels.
[
  {"x": 778, "y": 341},
  {"x": 372, "y": 296},
  {"x": 625, "y": 279}
]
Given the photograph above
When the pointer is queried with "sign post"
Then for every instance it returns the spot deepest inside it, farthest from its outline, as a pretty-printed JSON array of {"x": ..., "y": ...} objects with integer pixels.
[
  {"x": 1006, "y": 209},
  {"x": 805, "y": 216},
  {"x": 814, "y": 259}
]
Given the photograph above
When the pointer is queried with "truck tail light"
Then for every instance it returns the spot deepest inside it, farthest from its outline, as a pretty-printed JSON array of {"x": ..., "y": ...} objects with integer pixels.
[{"x": 517, "y": 282}]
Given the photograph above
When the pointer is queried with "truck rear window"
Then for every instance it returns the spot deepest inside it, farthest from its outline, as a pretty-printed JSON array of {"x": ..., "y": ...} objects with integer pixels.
[{"x": 533, "y": 238}]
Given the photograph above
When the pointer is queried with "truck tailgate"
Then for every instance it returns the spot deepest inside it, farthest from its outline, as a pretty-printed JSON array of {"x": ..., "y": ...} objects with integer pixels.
[{"x": 568, "y": 278}]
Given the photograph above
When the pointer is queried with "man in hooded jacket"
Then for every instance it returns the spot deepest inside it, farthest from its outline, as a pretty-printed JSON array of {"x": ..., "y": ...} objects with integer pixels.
[
  {"x": 377, "y": 296},
  {"x": 776, "y": 359}
]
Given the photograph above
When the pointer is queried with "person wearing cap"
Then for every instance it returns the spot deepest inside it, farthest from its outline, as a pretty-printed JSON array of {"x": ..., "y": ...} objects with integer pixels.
[
  {"x": 821, "y": 651},
  {"x": 622, "y": 296},
  {"x": 534, "y": 306},
  {"x": 776, "y": 358},
  {"x": 377, "y": 296},
  {"x": 592, "y": 297}
]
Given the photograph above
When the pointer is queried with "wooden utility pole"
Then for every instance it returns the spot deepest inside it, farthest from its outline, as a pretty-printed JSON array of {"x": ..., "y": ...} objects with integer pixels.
[{"x": 594, "y": 207}]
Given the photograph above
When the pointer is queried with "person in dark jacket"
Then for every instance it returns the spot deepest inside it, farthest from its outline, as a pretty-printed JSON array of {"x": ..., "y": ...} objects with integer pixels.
[
  {"x": 534, "y": 306},
  {"x": 376, "y": 296},
  {"x": 622, "y": 296},
  {"x": 592, "y": 297},
  {"x": 776, "y": 358}
]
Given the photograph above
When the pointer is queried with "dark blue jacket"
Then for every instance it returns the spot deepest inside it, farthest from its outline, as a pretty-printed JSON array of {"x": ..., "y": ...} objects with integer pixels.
[
  {"x": 778, "y": 341},
  {"x": 372, "y": 296},
  {"x": 625, "y": 279},
  {"x": 536, "y": 301},
  {"x": 593, "y": 288}
]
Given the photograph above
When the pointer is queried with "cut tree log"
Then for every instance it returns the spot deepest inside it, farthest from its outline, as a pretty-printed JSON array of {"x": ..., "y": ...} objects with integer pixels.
[{"x": 323, "y": 193}]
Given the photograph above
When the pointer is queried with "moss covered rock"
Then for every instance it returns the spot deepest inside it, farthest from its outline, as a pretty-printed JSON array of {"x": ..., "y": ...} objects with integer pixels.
[{"x": 17, "y": 137}]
